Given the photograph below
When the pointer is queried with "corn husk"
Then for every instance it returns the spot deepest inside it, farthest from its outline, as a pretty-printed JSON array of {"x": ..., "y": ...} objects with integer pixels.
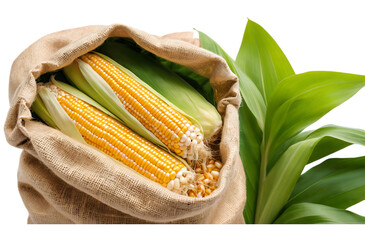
[
  {"x": 40, "y": 109},
  {"x": 50, "y": 111}
]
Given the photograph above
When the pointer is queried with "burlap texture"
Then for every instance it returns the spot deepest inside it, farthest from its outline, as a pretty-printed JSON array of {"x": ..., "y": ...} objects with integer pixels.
[{"x": 63, "y": 181}]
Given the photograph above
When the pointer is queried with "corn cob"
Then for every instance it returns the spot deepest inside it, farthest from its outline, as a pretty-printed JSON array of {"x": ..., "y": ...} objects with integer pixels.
[
  {"x": 111, "y": 137},
  {"x": 171, "y": 127}
]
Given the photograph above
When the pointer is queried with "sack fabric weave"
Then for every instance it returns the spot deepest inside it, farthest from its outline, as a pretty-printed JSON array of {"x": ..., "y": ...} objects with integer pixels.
[{"x": 63, "y": 181}]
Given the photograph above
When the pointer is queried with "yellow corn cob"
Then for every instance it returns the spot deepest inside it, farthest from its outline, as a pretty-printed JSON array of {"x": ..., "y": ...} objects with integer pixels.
[
  {"x": 108, "y": 135},
  {"x": 176, "y": 131}
]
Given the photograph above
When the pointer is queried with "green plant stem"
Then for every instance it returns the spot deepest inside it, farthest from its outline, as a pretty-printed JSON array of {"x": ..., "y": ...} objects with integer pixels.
[{"x": 263, "y": 168}]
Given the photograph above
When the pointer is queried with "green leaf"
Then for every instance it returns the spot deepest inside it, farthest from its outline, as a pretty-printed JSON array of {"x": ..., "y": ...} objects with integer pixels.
[
  {"x": 279, "y": 183},
  {"x": 333, "y": 139},
  {"x": 337, "y": 183},
  {"x": 262, "y": 60},
  {"x": 249, "y": 92},
  {"x": 250, "y": 139},
  {"x": 304, "y": 213},
  {"x": 257, "y": 49},
  {"x": 299, "y": 101},
  {"x": 293, "y": 103}
]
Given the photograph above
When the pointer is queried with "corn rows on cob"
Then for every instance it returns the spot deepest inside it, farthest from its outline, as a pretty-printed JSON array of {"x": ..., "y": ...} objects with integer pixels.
[
  {"x": 175, "y": 130},
  {"x": 110, "y": 136}
]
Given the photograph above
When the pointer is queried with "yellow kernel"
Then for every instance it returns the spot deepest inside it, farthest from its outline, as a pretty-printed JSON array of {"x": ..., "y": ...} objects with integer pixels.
[
  {"x": 191, "y": 194},
  {"x": 172, "y": 175},
  {"x": 166, "y": 178}
]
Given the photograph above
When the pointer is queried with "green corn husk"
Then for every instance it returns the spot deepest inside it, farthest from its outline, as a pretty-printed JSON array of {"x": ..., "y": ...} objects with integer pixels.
[{"x": 40, "y": 109}]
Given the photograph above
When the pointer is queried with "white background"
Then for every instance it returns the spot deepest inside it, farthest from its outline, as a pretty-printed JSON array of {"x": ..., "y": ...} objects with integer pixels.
[{"x": 314, "y": 35}]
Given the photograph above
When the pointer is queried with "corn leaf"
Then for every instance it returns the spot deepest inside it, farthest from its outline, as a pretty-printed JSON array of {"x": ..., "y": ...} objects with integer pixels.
[
  {"x": 281, "y": 179},
  {"x": 262, "y": 60},
  {"x": 277, "y": 155},
  {"x": 304, "y": 213},
  {"x": 333, "y": 139},
  {"x": 337, "y": 183},
  {"x": 250, "y": 139},
  {"x": 299, "y": 101},
  {"x": 279, "y": 183},
  {"x": 166, "y": 83},
  {"x": 249, "y": 92}
]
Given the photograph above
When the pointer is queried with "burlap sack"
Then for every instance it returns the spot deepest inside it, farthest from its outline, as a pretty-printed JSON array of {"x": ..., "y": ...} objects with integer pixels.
[{"x": 63, "y": 181}]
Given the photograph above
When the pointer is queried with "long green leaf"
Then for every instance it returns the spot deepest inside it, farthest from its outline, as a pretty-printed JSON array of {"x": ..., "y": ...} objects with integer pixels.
[
  {"x": 280, "y": 182},
  {"x": 304, "y": 213},
  {"x": 333, "y": 139},
  {"x": 262, "y": 60},
  {"x": 249, "y": 92},
  {"x": 302, "y": 99},
  {"x": 277, "y": 187},
  {"x": 250, "y": 139},
  {"x": 337, "y": 183}
]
